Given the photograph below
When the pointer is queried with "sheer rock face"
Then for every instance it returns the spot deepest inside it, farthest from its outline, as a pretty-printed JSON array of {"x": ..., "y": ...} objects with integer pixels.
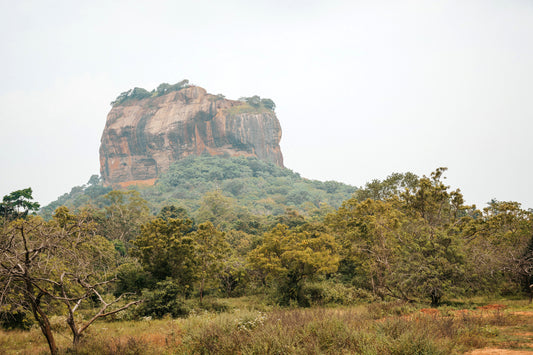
[{"x": 143, "y": 137}]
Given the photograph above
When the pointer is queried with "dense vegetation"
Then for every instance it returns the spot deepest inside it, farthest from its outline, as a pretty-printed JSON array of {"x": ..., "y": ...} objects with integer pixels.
[
  {"x": 208, "y": 236},
  {"x": 244, "y": 186},
  {"x": 376, "y": 328}
]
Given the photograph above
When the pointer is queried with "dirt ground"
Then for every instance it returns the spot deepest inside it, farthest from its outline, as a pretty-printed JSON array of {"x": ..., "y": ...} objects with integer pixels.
[
  {"x": 496, "y": 351},
  {"x": 492, "y": 351}
]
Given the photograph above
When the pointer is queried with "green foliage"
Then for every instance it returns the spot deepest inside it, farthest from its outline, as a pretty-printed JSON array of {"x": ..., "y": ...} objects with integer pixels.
[
  {"x": 140, "y": 93},
  {"x": 269, "y": 104},
  {"x": 17, "y": 205},
  {"x": 253, "y": 104},
  {"x": 165, "y": 298},
  {"x": 166, "y": 250},
  {"x": 91, "y": 193},
  {"x": 123, "y": 215},
  {"x": 233, "y": 276},
  {"x": 406, "y": 237},
  {"x": 333, "y": 292},
  {"x": 132, "y": 278},
  {"x": 393, "y": 185},
  {"x": 250, "y": 187},
  {"x": 500, "y": 246},
  {"x": 17, "y": 319},
  {"x": 287, "y": 257},
  {"x": 172, "y": 211},
  {"x": 407, "y": 242},
  {"x": 210, "y": 249},
  {"x": 256, "y": 193},
  {"x": 61, "y": 263}
]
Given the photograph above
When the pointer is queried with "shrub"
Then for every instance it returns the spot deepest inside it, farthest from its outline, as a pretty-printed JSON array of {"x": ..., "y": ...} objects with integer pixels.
[
  {"x": 165, "y": 299},
  {"x": 377, "y": 310},
  {"x": 16, "y": 320},
  {"x": 330, "y": 292}
]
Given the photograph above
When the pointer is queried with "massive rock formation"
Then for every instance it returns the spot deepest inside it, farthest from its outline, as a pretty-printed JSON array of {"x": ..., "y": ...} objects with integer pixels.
[{"x": 142, "y": 137}]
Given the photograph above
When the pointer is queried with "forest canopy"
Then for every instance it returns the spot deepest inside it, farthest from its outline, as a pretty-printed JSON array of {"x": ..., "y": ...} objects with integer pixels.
[{"x": 219, "y": 228}]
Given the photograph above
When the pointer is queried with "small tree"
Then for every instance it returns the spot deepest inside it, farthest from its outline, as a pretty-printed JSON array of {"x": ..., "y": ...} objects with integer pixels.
[
  {"x": 254, "y": 101},
  {"x": 288, "y": 257},
  {"x": 269, "y": 104}
]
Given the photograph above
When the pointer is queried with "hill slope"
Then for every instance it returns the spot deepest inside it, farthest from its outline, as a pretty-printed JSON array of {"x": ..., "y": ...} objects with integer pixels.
[{"x": 262, "y": 188}]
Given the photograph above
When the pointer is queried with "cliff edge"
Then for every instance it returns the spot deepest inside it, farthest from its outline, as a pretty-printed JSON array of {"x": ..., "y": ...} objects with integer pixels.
[{"x": 146, "y": 132}]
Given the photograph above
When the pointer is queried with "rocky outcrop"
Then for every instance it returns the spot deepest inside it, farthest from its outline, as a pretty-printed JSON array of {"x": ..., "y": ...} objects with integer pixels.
[{"x": 142, "y": 137}]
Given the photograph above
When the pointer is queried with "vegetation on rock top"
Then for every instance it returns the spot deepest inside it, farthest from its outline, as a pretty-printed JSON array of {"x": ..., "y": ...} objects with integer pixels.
[
  {"x": 140, "y": 93},
  {"x": 249, "y": 104}
]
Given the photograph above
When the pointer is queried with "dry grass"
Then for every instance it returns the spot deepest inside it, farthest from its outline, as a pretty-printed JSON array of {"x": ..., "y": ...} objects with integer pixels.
[{"x": 381, "y": 328}]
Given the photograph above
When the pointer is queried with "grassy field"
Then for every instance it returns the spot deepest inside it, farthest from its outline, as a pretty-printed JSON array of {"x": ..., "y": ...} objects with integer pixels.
[{"x": 377, "y": 328}]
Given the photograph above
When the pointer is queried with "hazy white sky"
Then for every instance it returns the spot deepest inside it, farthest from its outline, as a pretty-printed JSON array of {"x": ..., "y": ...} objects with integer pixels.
[{"x": 363, "y": 88}]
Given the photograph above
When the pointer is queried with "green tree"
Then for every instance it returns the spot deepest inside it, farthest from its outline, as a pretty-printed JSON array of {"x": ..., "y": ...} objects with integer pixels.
[
  {"x": 125, "y": 212},
  {"x": 210, "y": 249},
  {"x": 372, "y": 239},
  {"x": 289, "y": 257},
  {"x": 407, "y": 241},
  {"x": 269, "y": 104},
  {"x": 393, "y": 185},
  {"x": 172, "y": 211},
  {"x": 217, "y": 209},
  {"x": 254, "y": 101},
  {"x": 17, "y": 205},
  {"x": 500, "y": 245},
  {"x": 166, "y": 249}
]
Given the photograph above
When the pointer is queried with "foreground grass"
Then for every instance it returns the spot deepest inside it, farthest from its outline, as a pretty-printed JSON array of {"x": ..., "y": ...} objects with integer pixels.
[{"x": 378, "y": 328}]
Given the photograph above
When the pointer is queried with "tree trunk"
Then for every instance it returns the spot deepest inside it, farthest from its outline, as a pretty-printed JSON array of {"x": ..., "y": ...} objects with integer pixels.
[
  {"x": 40, "y": 316},
  {"x": 75, "y": 334},
  {"x": 76, "y": 339},
  {"x": 45, "y": 326},
  {"x": 435, "y": 298},
  {"x": 202, "y": 290}
]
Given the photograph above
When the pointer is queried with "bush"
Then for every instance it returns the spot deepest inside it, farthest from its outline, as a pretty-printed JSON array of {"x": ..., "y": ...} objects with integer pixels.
[
  {"x": 16, "y": 320},
  {"x": 378, "y": 310},
  {"x": 208, "y": 305},
  {"x": 165, "y": 299},
  {"x": 330, "y": 292}
]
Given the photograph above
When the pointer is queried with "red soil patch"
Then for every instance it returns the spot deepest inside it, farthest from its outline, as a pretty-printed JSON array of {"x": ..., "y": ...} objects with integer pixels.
[
  {"x": 492, "y": 307},
  {"x": 148, "y": 182},
  {"x": 430, "y": 311},
  {"x": 489, "y": 351}
]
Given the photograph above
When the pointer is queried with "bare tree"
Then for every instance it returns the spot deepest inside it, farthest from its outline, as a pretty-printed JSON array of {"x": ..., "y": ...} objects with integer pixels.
[{"x": 49, "y": 266}]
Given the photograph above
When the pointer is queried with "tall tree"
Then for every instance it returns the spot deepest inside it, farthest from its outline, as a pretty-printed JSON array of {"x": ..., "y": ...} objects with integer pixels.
[
  {"x": 17, "y": 205},
  {"x": 125, "y": 212},
  {"x": 500, "y": 243},
  {"x": 407, "y": 240},
  {"x": 210, "y": 249}
]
